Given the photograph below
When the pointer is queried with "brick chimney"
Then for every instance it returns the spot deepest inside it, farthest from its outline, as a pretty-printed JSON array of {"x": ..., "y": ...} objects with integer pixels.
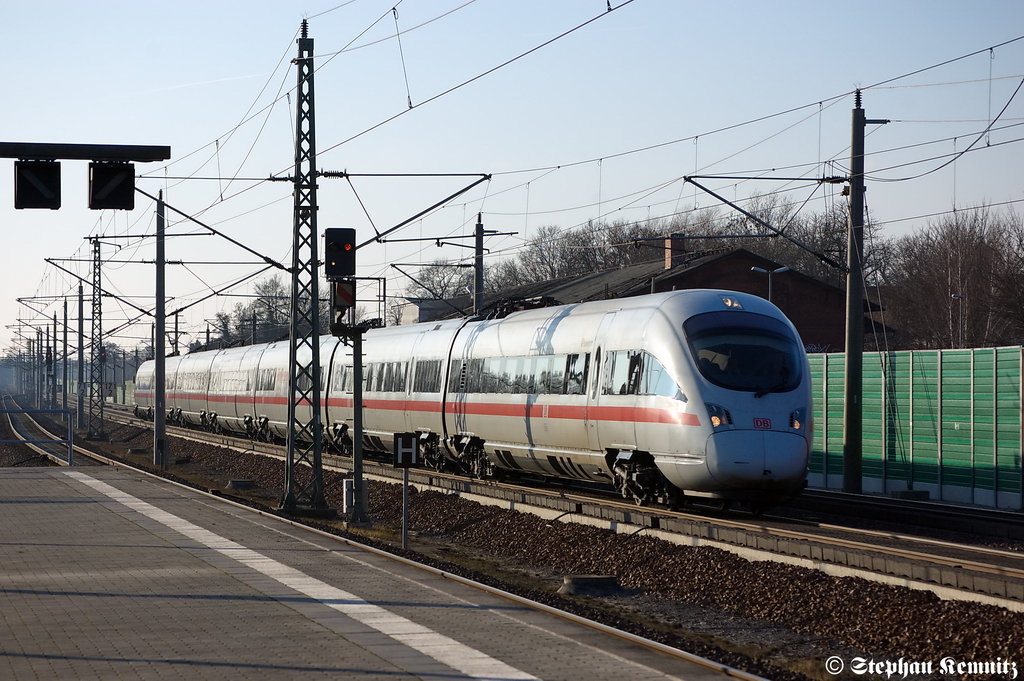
[{"x": 675, "y": 250}]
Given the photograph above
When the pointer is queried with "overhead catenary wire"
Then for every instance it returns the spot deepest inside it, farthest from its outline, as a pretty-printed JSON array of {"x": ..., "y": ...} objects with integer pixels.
[
  {"x": 401, "y": 53},
  {"x": 959, "y": 154},
  {"x": 604, "y": 157},
  {"x": 819, "y": 104}
]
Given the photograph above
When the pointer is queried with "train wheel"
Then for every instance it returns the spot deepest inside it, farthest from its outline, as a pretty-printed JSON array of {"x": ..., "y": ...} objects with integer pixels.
[
  {"x": 481, "y": 466},
  {"x": 432, "y": 457},
  {"x": 758, "y": 510}
]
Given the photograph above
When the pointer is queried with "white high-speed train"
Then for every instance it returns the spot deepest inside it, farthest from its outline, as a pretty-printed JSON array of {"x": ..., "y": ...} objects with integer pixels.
[{"x": 695, "y": 393}]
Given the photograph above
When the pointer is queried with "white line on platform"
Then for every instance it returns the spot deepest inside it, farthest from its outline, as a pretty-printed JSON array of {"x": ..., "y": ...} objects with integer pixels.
[{"x": 445, "y": 650}]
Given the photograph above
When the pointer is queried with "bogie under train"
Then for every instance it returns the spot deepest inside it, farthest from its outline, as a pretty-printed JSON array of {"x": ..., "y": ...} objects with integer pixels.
[{"x": 693, "y": 393}]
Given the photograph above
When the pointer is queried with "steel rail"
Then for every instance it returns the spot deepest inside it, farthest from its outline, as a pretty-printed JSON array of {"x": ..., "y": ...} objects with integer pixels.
[
  {"x": 648, "y": 644},
  {"x": 738, "y": 524}
]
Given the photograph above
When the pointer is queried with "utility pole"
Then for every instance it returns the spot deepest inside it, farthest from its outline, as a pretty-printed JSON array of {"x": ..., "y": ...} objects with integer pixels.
[
  {"x": 478, "y": 265},
  {"x": 304, "y": 427},
  {"x": 359, "y": 511},
  {"x": 53, "y": 366},
  {"x": 160, "y": 455},
  {"x": 853, "y": 406},
  {"x": 40, "y": 375},
  {"x": 96, "y": 373},
  {"x": 47, "y": 371},
  {"x": 80, "y": 386},
  {"x": 64, "y": 365}
]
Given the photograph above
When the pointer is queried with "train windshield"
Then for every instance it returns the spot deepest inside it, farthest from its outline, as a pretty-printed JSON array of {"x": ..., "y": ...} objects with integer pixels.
[{"x": 745, "y": 351}]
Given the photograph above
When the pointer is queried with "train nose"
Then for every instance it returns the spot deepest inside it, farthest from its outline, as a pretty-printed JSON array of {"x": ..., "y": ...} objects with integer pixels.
[{"x": 764, "y": 458}]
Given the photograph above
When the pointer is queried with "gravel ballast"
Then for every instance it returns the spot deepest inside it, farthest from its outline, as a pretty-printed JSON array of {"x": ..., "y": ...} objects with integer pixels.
[{"x": 779, "y": 621}]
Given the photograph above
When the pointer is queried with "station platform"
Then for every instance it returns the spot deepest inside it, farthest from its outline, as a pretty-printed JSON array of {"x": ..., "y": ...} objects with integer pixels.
[{"x": 107, "y": 573}]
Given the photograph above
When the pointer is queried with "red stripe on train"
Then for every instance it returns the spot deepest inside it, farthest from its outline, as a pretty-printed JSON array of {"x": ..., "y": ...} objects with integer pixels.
[{"x": 535, "y": 411}]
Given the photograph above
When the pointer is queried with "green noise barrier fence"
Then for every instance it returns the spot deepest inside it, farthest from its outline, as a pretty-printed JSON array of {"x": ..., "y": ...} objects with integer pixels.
[{"x": 945, "y": 422}]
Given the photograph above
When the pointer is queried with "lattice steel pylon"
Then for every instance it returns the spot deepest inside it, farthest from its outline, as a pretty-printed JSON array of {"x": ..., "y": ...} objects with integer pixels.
[
  {"x": 95, "y": 421},
  {"x": 304, "y": 417}
]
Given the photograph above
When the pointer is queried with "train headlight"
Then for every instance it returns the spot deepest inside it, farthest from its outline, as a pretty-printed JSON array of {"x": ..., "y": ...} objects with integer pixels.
[
  {"x": 798, "y": 420},
  {"x": 720, "y": 417}
]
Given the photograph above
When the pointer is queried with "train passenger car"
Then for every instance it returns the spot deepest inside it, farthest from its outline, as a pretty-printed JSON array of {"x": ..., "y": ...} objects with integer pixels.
[
  {"x": 698, "y": 393},
  {"x": 706, "y": 391},
  {"x": 403, "y": 385}
]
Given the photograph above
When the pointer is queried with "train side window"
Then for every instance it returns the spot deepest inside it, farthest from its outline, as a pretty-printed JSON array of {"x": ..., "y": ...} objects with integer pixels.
[
  {"x": 506, "y": 379},
  {"x": 457, "y": 376},
  {"x": 657, "y": 381},
  {"x": 427, "y": 376},
  {"x": 383, "y": 376},
  {"x": 549, "y": 374},
  {"x": 556, "y": 375},
  {"x": 266, "y": 379},
  {"x": 597, "y": 374},
  {"x": 517, "y": 380},
  {"x": 636, "y": 368},
  {"x": 474, "y": 375},
  {"x": 396, "y": 381},
  {"x": 369, "y": 374},
  {"x": 575, "y": 378},
  {"x": 586, "y": 373},
  {"x": 530, "y": 375},
  {"x": 614, "y": 374},
  {"x": 489, "y": 375},
  {"x": 623, "y": 370},
  {"x": 540, "y": 369},
  {"x": 400, "y": 376}
]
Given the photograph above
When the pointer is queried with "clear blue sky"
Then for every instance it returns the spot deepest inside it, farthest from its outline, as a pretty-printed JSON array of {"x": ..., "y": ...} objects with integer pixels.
[{"x": 683, "y": 80}]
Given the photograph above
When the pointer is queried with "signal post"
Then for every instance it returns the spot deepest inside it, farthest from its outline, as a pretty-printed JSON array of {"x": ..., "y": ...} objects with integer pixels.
[{"x": 340, "y": 271}]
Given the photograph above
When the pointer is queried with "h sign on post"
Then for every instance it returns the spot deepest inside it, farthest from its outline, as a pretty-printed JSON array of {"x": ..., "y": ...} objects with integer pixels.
[{"x": 407, "y": 450}]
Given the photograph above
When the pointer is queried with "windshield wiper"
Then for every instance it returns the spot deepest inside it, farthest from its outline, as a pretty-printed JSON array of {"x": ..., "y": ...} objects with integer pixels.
[{"x": 761, "y": 392}]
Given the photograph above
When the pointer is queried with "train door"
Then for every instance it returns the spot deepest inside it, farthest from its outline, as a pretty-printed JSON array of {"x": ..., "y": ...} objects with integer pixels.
[
  {"x": 616, "y": 399},
  {"x": 592, "y": 413},
  {"x": 331, "y": 383}
]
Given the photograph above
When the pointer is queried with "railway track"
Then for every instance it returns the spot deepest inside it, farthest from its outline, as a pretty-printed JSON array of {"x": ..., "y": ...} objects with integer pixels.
[
  {"x": 989, "y": 522},
  {"x": 953, "y": 570},
  {"x": 32, "y": 428},
  {"x": 30, "y": 431}
]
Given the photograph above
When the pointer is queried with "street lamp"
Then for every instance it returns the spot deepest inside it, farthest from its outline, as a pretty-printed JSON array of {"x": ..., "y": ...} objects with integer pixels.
[
  {"x": 769, "y": 273},
  {"x": 960, "y": 300}
]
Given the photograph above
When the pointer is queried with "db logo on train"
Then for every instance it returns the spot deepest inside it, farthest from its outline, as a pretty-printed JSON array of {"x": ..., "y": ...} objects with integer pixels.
[{"x": 763, "y": 424}]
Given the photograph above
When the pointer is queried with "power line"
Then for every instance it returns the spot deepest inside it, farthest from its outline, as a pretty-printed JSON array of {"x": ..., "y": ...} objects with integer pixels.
[{"x": 476, "y": 77}]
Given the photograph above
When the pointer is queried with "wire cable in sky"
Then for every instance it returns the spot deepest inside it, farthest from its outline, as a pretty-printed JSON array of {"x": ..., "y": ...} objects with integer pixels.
[
  {"x": 959, "y": 154},
  {"x": 475, "y": 78}
]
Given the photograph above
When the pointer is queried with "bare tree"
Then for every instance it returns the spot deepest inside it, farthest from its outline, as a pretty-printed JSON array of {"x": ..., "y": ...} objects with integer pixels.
[
  {"x": 956, "y": 274},
  {"x": 442, "y": 279},
  {"x": 222, "y": 327},
  {"x": 1010, "y": 279}
]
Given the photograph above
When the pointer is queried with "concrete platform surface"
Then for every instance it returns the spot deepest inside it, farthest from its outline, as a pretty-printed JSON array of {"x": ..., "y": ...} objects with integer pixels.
[{"x": 106, "y": 573}]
